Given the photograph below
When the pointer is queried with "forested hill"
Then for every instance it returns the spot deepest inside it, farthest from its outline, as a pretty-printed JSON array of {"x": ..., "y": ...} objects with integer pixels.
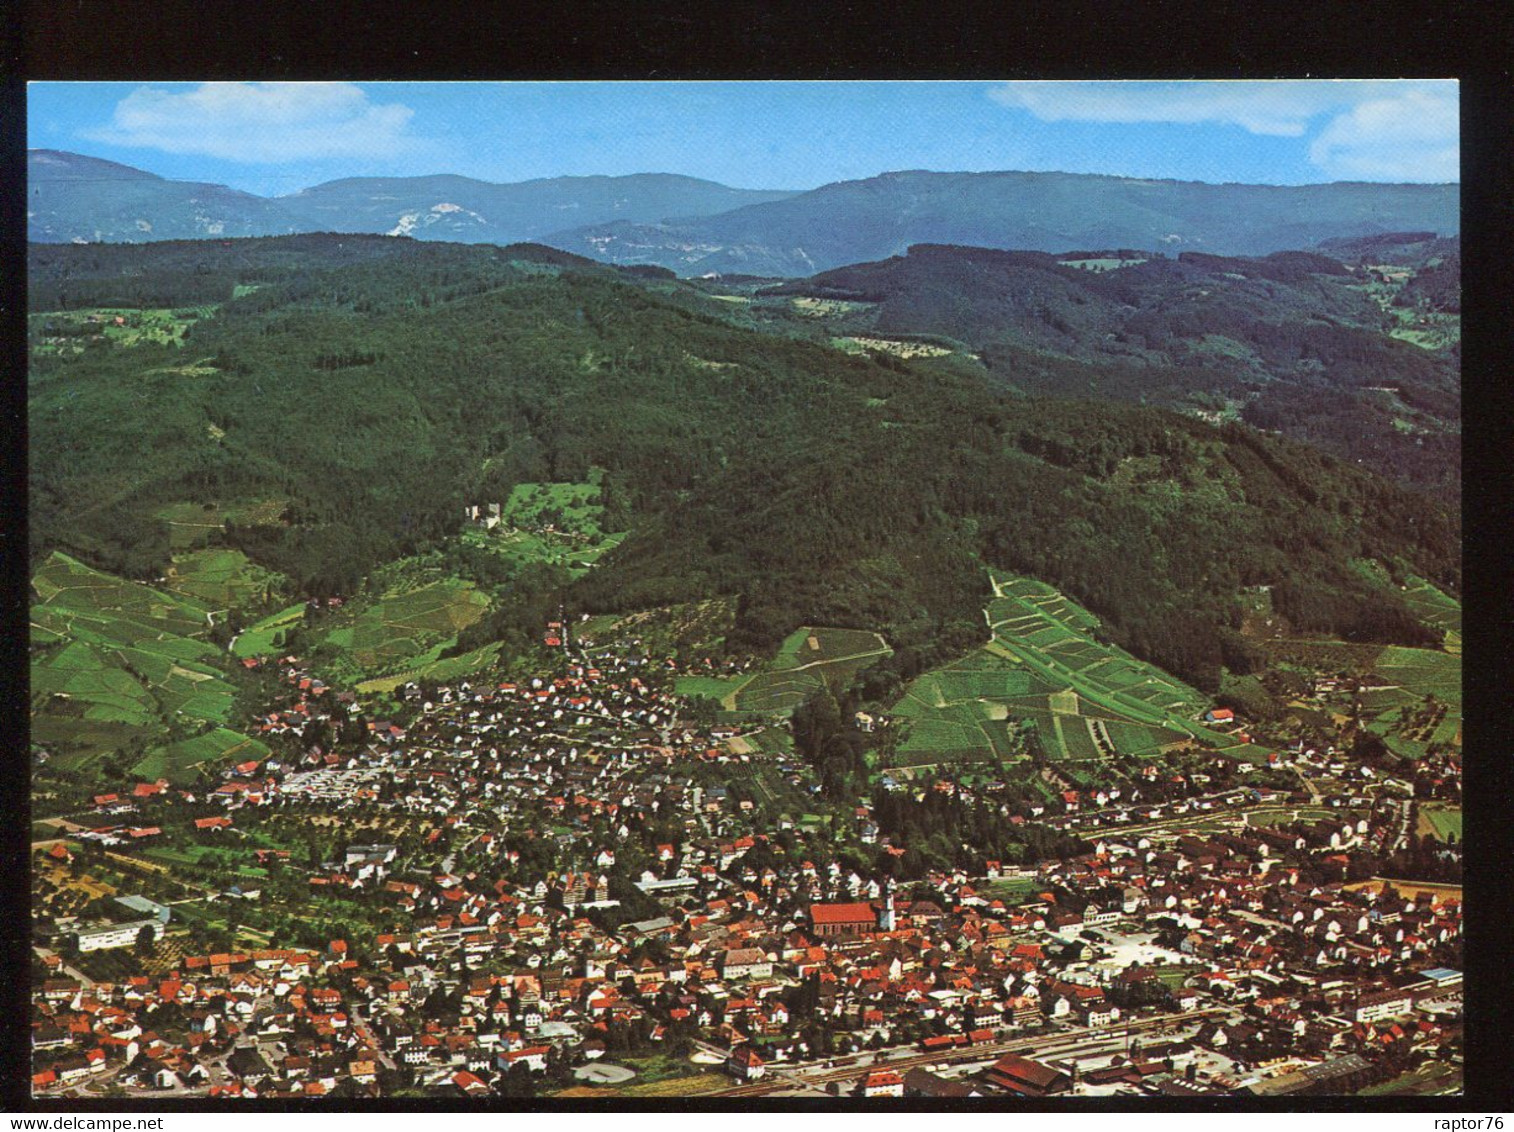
[
  {"x": 852, "y": 221},
  {"x": 1297, "y": 342},
  {"x": 379, "y": 388},
  {"x": 176, "y": 273}
]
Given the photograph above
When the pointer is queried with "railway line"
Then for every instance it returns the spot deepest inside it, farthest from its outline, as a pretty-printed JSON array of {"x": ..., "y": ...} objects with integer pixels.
[{"x": 1052, "y": 1045}]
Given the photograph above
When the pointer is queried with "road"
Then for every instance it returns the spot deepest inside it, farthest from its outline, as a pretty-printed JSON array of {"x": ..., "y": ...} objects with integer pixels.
[
  {"x": 1401, "y": 837},
  {"x": 70, "y": 972},
  {"x": 1260, "y": 920},
  {"x": 360, "y": 1027}
]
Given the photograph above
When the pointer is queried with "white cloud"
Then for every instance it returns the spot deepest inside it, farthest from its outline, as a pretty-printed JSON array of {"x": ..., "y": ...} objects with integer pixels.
[
  {"x": 1411, "y": 136},
  {"x": 1376, "y": 129},
  {"x": 1282, "y": 109},
  {"x": 260, "y": 123}
]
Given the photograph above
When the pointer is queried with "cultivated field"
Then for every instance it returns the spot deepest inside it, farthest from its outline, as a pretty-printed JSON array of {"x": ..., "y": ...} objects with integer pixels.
[
  {"x": 68, "y": 589},
  {"x": 807, "y": 658},
  {"x": 1102, "y": 264},
  {"x": 441, "y": 670},
  {"x": 1409, "y": 888},
  {"x": 1322, "y": 655},
  {"x": 114, "y": 661},
  {"x": 827, "y": 308},
  {"x": 568, "y": 506},
  {"x": 1011, "y": 890},
  {"x": 403, "y": 630},
  {"x": 1432, "y": 606},
  {"x": 180, "y": 762},
  {"x": 709, "y": 687},
  {"x": 1045, "y": 681},
  {"x": 1440, "y": 822},
  {"x": 697, "y": 1085},
  {"x": 223, "y": 580},
  {"x": 259, "y": 639},
  {"x": 899, "y": 347},
  {"x": 66, "y": 332},
  {"x": 1410, "y": 697},
  {"x": 1419, "y": 705},
  {"x": 697, "y": 626},
  {"x": 556, "y": 523}
]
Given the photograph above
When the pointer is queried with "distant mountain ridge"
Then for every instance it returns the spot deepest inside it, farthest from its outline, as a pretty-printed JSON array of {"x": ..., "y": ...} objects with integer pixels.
[
  {"x": 73, "y": 198},
  {"x": 698, "y": 227},
  {"x": 466, "y": 210},
  {"x": 873, "y": 219}
]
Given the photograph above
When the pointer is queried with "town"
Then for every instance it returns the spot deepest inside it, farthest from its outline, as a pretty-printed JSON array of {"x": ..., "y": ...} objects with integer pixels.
[{"x": 577, "y": 884}]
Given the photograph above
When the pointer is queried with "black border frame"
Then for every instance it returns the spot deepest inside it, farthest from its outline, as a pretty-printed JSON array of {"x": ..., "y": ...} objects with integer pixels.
[{"x": 749, "y": 39}]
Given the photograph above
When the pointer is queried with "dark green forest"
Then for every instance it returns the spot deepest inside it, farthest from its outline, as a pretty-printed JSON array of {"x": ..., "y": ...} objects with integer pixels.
[
  {"x": 1297, "y": 338},
  {"x": 375, "y": 387}
]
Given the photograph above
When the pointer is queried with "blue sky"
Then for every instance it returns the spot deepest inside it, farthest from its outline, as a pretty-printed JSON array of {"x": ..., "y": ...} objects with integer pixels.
[{"x": 273, "y": 138}]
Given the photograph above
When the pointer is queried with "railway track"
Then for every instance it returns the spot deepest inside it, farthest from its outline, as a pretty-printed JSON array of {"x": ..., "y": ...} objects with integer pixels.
[{"x": 1051, "y": 1045}]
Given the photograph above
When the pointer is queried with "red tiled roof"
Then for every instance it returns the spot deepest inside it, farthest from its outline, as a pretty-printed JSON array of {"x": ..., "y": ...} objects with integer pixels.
[
  {"x": 842, "y": 914},
  {"x": 747, "y": 1056},
  {"x": 1017, "y": 1072}
]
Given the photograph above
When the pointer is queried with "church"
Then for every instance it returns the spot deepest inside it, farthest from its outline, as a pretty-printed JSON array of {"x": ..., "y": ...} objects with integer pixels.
[{"x": 852, "y": 919}]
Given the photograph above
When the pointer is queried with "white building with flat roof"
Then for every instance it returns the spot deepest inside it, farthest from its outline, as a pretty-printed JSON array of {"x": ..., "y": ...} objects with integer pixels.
[{"x": 117, "y": 935}]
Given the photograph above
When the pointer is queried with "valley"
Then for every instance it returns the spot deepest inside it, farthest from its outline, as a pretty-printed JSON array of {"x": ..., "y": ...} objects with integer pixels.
[{"x": 504, "y": 645}]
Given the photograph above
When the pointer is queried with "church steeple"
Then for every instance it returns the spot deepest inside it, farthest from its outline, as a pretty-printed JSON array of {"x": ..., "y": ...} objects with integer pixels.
[{"x": 886, "y": 917}]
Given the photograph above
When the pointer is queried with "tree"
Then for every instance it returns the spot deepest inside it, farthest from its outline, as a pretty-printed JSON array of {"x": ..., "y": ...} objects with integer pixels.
[
  {"x": 517, "y": 1082},
  {"x": 147, "y": 940}
]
